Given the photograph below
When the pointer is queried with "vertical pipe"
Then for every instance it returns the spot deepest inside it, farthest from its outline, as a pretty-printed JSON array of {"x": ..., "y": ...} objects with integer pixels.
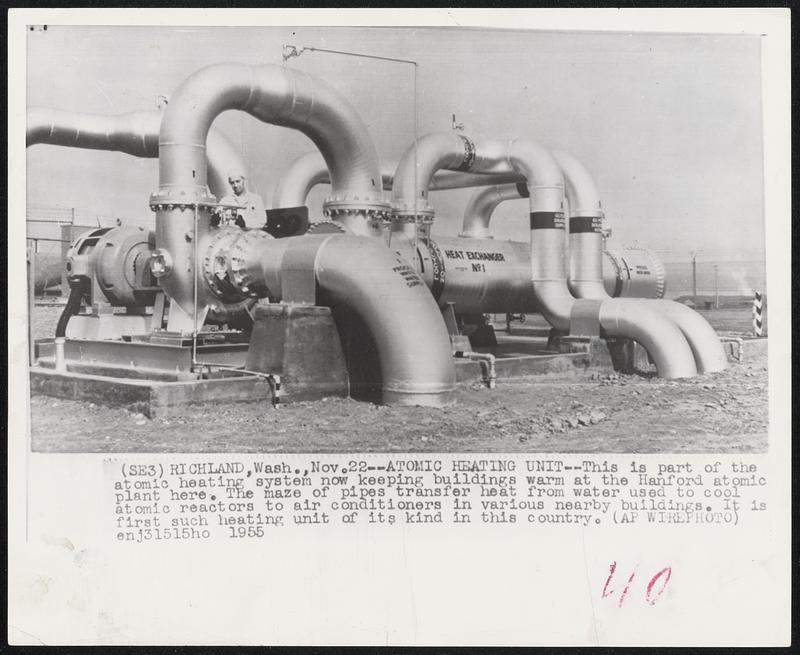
[{"x": 585, "y": 229}]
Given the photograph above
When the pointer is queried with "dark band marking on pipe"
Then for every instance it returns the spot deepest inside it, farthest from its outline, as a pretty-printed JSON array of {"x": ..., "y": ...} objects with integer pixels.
[
  {"x": 469, "y": 154},
  {"x": 627, "y": 268},
  {"x": 617, "y": 275},
  {"x": 437, "y": 269},
  {"x": 547, "y": 221},
  {"x": 584, "y": 224},
  {"x": 421, "y": 261},
  {"x": 522, "y": 190}
]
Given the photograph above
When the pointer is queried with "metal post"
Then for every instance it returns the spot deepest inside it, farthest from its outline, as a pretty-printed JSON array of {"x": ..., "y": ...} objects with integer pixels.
[
  {"x": 33, "y": 268},
  {"x": 31, "y": 305},
  {"x": 194, "y": 275},
  {"x": 694, "y": 278},
  {"x": 716, "y": 287},
  {"x": 757, "y": 315}
]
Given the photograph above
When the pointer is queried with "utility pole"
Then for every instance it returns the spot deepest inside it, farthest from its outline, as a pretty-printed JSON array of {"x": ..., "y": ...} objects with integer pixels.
[
  {"x": 716, "y": 287},
  {"x": 694, "y": 278}
]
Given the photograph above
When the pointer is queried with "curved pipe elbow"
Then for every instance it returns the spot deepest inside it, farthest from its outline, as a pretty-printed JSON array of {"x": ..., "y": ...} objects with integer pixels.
[
  {"x": 707, "y": 349},
  {"x": 659, "y": 336},
  {"x": 544, "y": 179},
  {"x": 579, "y": 187},
  {"x": 275, "y": 95},
  {"x": 415, "y": 356},
  {"x": 482, "y": 204},
  {"x": 310, "y": 170},
  {"x": 555, "y": 302},
  {"x": 418, "y": 164},
  {"x": 588, "y": 289}
]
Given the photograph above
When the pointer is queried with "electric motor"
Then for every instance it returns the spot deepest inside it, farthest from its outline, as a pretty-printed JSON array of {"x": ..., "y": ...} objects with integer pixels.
[{"x": 116, "y": 259}]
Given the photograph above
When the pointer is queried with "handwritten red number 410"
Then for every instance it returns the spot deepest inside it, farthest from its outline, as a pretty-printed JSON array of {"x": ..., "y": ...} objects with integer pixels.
[{"x": 655, "y": 587}]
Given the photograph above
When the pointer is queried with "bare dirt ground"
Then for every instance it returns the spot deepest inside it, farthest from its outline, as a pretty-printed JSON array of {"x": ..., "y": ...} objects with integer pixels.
[{"x": 722, "y": 412}]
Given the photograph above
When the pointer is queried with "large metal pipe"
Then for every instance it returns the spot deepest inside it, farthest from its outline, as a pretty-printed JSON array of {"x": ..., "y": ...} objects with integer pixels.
[
  {"x": 585, "y": 279},
  {"x": 664, "y": 341},
  {"x": 548, "y": 265},
  {"x": 628, "y": 272},
  {"x": 708, "y": 351},
  {"x": 434, "y": 152},
  {"x": 134, "y": 133},
  {"x": 545, "y": 184},
  {"x": 377, "y": 284},
  {"x": 309, "y": 170},
  {"x": 272, "y": 94},
  {"x": 585, "y": 229},
  {"x": 586, "y": 266},
  {"x": 482, "y": 204}
]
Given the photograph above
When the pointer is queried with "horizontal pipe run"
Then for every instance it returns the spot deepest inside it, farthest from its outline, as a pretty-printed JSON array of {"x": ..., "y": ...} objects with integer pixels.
[
  {"x": 309, "y": 170},
  {"x": 134, "y": 133}
]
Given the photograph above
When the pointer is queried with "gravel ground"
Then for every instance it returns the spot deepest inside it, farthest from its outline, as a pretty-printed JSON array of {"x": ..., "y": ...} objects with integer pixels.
[{"x": 723, "y": 413}]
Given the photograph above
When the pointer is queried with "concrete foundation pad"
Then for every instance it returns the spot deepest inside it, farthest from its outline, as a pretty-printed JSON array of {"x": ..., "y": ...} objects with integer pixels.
[
  {"x": 556, "y": 364},
  {"x": 149, "y": 397}
]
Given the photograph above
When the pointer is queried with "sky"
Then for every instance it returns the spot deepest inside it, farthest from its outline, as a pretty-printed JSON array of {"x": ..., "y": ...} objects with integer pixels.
[{"x": 669, "y": 125}]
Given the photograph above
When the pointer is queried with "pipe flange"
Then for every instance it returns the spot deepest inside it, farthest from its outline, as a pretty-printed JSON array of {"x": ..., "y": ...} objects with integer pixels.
[
  {"x": 355, "y": 203},
  {"x": 660, "y": 272},
  {"x": 326, "y": 227},
  {"x": 405, "y": 208},
  {"x": 169, "y": 199},
  {"x": 350, "y": 210},
  {"x": 470, "y": 154},
  {"x": 238, "y": 253}
]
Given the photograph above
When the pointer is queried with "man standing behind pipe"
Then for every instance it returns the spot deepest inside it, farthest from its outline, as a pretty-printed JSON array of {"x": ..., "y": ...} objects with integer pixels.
[{"x": 251, "y": 206}]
